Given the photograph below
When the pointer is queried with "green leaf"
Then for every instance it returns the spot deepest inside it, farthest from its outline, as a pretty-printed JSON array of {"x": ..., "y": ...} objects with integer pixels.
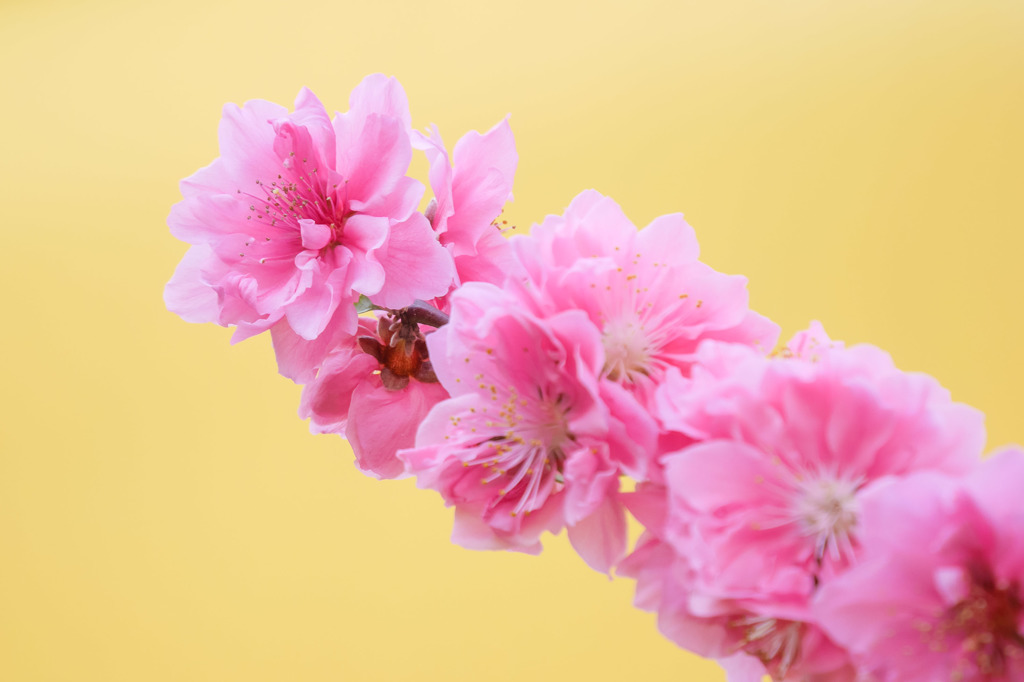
[{"x": 364, "y": 305}]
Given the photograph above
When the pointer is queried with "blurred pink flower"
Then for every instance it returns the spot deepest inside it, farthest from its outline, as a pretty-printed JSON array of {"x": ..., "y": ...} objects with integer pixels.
[
  {"x": 763, "y": 508},
  {"x": 529, "y": 442},
  {"x": 645, "y": 290},
  {"x": 939, "y": 591},
  {"x": 299, "y": 216}
]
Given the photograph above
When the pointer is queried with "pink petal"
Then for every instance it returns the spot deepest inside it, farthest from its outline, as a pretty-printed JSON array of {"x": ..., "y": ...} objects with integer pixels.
[
  {"x": 373, "y": 156},
  {"x": 715, "y": 474},
  {"x": 380, "y": 94},
  {"x": 472, "y": 532},
  {"x": 416, "y": 266},
  {"x": 382, "y": 422},
  {"x": 600, "y": 537},
  {"x": 327, "y": 401},
  {"x": 671, "y": 238},
  {"x": 440, "y": 175},
  {"x": 589, "y": 480},
  {"x": 311, "y": 312},
  {"x": 485, "y": 168},
  {"x": 310, "y": 114},
  {"x": 742, "y": 668},
  {"x": 492, "y": 261},
  {"x": 247, "y": 139},
  {"x": 299, "y": 358},
  {"x": 187, "y": 294},
  {"x": 314, "y": 236}
]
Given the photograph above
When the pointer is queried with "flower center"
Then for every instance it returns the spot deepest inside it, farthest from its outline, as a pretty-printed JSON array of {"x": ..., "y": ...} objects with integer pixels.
[
  {"x": 826, "y": 509},
  {"x": 626, "y": 350},
  {"x": 303, "y": 194},
  {"x": 986, "y": 625},
  {"x": 401, "y": 351},
  {"x": 776, "y": 643},
  {"x": 524, "y": 455}
]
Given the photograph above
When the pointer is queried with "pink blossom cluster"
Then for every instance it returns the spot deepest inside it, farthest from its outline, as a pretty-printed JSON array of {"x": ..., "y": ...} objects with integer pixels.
[{"x": 809, "y": 512}]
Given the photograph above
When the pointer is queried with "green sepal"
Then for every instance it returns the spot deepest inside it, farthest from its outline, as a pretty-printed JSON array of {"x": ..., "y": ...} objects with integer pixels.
[{"x": 364, "y": 304}]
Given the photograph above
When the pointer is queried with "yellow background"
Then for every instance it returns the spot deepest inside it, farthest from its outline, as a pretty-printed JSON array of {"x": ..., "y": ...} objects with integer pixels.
[{"x": 164, "y": 515}]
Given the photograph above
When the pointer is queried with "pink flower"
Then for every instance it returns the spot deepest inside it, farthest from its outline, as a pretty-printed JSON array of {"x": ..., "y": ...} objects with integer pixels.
[
  {"x": 647, "y": 293},
  {"x": 764, "y": 507},
  {"x": 375, "y": 390},
  {"x": 469, "y": 198},
  {"x": 785, "y": 649},
  {"x": 299, "y": 216},
  {"x": 528, "y": 442},
  {"x": 939, "y": 591}
]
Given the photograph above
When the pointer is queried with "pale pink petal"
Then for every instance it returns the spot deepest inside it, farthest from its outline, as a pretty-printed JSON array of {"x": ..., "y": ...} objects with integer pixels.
[
  {"x": 600, "y": 537},
  {"x": 440, "y": 176},
  {"x": 470, "y": 531},
  {"x": 671, "y": 238},
  {"x": 310, "y": 313},
  {"x": 416, "y": 266},
  {"x": 187, "y": 294},
  {"x": 311, "y": 114},
  {"x": 382, "y": 422},
  {"x": 742, "y": 668},
  {"x": 298, "y": 358},
  {"x": 372, "y": 156},
  {"x": 492, "y": 260},
  {"x": 591, "y": 480},
  {"x": 715, "y": 474},
  {"x": 247, "y": 139},
  {"x": 380, "y": 94},
  {"x": 482, "y": 183},
  {"x": 314, "y": 236},
  {"x": 328, "y": 400}
]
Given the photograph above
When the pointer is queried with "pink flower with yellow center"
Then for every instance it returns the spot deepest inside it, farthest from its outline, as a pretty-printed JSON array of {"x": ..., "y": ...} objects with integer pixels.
[
  {"x": 938, "y": 593},
  {"x": 764, "y": 507},
  {"x": 300, "y": 216},
  {"x": 646, "y": 291},
  {"x": 528, "y": 442}
]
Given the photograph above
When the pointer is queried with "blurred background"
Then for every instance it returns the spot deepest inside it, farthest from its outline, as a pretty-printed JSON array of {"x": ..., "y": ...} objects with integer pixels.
[{"x": 164, "y": 514}]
